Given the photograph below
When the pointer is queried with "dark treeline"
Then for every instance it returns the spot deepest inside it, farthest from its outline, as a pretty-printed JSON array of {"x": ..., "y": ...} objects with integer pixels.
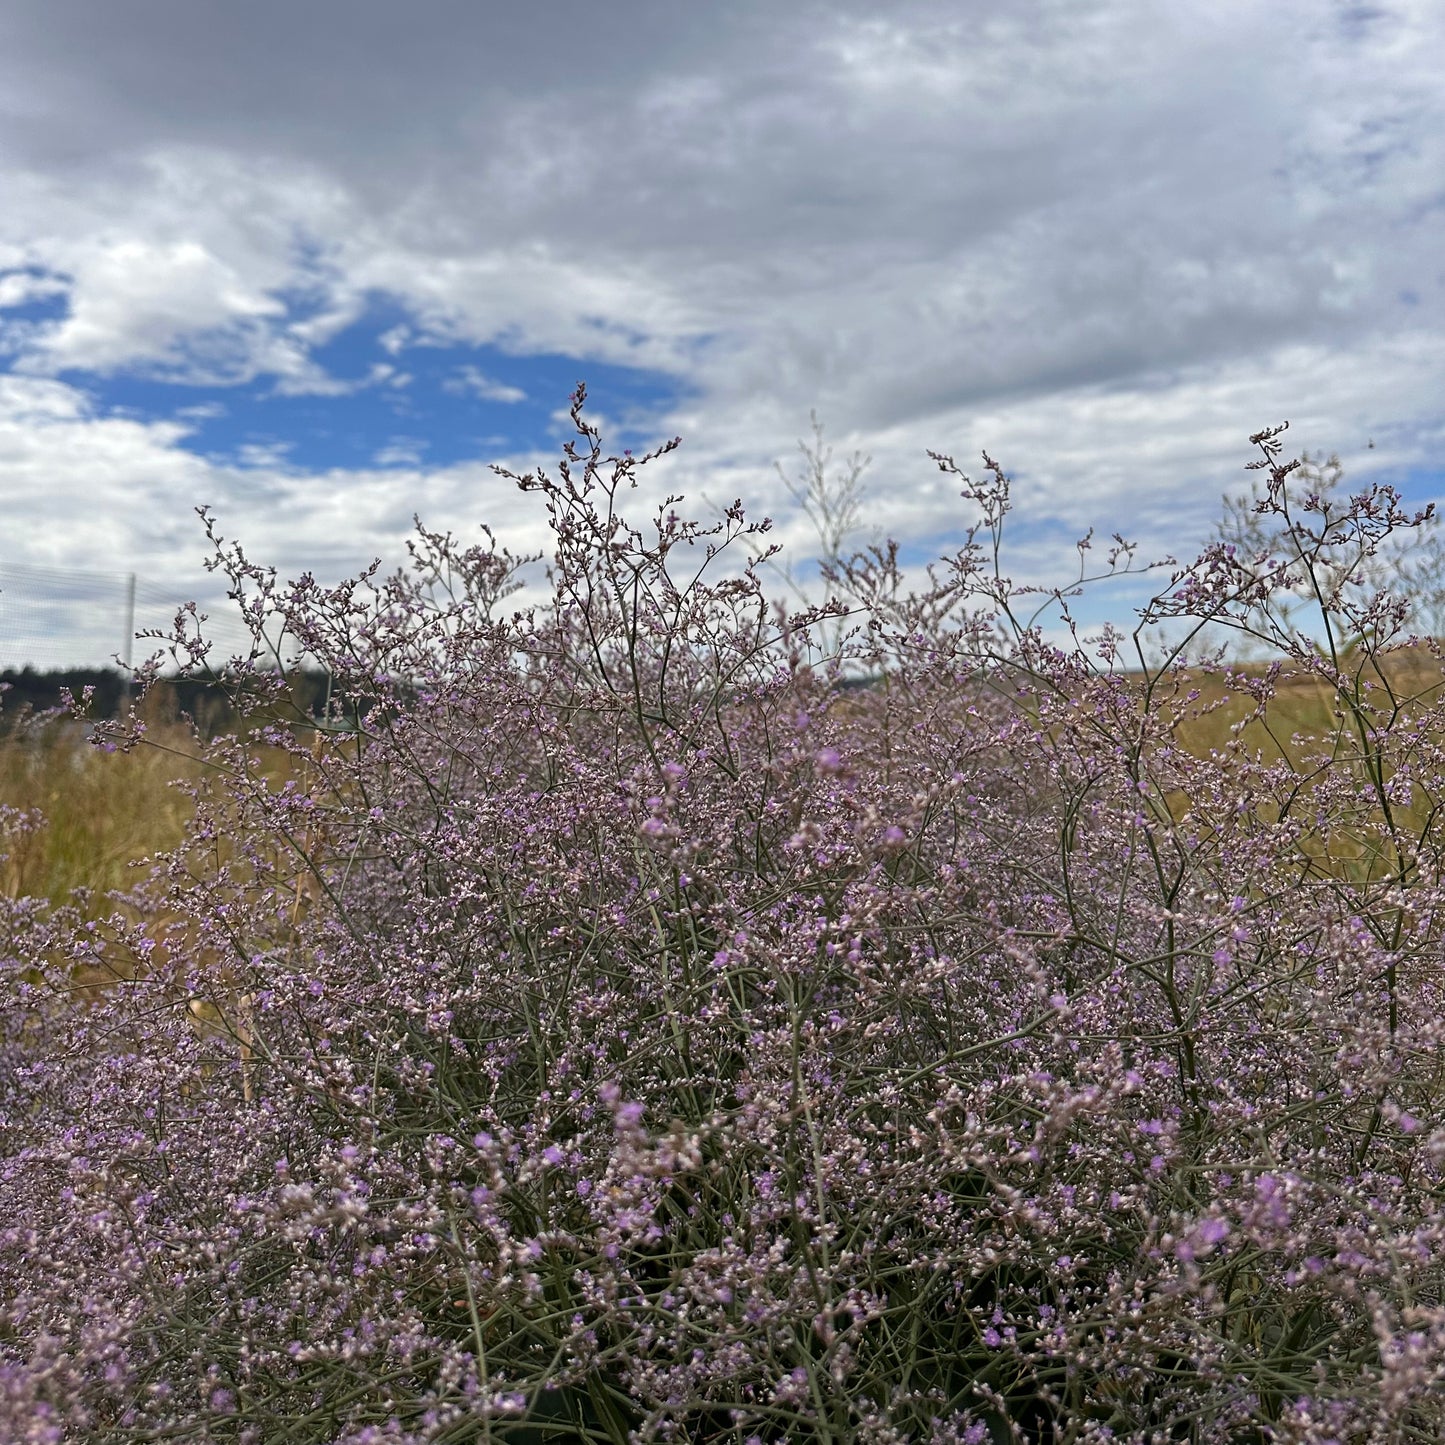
[{"x": 209, "y": 703}]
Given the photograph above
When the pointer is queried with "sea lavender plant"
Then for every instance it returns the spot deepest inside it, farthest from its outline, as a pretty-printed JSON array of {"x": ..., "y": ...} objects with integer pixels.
[{"x": 618, "y": 1031}]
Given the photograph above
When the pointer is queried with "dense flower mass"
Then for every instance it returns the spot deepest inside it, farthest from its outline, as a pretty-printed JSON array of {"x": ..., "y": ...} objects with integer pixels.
[{"x": 626, "y": 1023}]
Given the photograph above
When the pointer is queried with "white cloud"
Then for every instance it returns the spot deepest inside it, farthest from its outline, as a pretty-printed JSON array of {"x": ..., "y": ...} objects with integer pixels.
[
  {"x": 88, "y": 491},
  {"x": 18, "y": 288},
  {"x": 1105, "y": 242},
  {"x": 395, "y": 340},
  {"x": 264, "y": 454},
  {"x": 128, "y": 493},
  {"x": 134, "y": 302},
  {"x": 401, "y": 452},
  {"x": 469, "y": 379}
]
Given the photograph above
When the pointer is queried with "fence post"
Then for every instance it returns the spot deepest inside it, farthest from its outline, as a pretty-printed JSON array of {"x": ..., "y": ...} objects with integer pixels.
[{"x": 125, "y": 650}]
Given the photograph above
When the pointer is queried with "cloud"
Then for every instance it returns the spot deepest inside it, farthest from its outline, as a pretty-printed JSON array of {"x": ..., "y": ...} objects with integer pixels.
[
  {"x": 20, "y": 288},
  {"x": 1010, "y": 200},
  {"x": 395, "y": 340},
  {"x": 87, "y": 491},
  {"x": 401, "y": 452},
  {"x": 128, "y": 493},
  {"x": 469, "y": 380},
  {"x": 1105, "y": 242},
  {"x": 133, "y": 302},
  {"x": 266, "y": 455}
]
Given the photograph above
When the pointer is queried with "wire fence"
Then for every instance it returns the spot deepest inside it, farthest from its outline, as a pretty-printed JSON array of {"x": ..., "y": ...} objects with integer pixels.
[{"x": 63, "y": 617}]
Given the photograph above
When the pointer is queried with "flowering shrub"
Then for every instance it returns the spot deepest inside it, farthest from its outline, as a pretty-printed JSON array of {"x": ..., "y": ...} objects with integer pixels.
[{"x": 617, "y": 1028}]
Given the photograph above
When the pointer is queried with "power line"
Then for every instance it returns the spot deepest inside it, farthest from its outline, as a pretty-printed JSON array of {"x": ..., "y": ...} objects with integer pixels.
[{"x": 56, "y": 617}]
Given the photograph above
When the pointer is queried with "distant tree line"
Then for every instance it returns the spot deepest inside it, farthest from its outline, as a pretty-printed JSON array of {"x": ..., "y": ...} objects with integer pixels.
[{"x": 207, "y": 702}]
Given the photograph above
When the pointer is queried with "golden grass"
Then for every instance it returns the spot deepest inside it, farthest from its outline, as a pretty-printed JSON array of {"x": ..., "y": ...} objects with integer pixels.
[
  {"x": 104, "y": 813},
  {"x": 1364, "y": 736},
  {"x": 100, "y": 813},
  {"x": 97, "y": 817},
  {"x": 1305, "y": 712}
]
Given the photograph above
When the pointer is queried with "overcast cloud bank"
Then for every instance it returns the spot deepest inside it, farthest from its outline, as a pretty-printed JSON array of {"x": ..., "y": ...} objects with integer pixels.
[{"x": 318, "y": 267}]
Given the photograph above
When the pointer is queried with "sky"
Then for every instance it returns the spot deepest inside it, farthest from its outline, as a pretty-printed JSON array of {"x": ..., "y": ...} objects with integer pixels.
[{"x": 317, "y": 266}]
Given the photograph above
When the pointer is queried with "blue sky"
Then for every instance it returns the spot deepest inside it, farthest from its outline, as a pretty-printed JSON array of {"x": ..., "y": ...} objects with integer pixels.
[
  {"x": 316, "y": 268},
  {"x": 396, "y": 404}
]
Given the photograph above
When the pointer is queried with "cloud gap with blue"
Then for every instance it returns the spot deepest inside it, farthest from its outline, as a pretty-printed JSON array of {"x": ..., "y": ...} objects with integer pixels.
[{"x": 392, "y": 394}]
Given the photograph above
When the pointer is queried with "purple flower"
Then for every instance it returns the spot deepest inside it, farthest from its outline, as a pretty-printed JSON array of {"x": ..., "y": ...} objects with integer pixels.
[
  {"x": 1211, "y": 1231},
  {"x": 727, "y": 1078}
]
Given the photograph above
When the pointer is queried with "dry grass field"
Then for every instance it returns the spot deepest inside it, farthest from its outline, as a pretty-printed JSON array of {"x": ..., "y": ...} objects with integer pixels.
[
  {"x": 1412, "y": 679},
  {"x": 81, "y": 818}
]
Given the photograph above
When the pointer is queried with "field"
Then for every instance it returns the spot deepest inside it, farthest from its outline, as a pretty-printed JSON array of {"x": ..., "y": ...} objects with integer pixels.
[
  {"x": 94, "y": 815},
  {"x": 100, "y": 815}
]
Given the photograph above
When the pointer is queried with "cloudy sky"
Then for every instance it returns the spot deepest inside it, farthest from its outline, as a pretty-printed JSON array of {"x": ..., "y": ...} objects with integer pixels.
[{"x": 316, "y": 265}]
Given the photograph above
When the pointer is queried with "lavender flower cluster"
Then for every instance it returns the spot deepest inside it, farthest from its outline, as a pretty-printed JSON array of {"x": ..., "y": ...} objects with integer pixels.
[{"x": 623, "y": 1030}]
